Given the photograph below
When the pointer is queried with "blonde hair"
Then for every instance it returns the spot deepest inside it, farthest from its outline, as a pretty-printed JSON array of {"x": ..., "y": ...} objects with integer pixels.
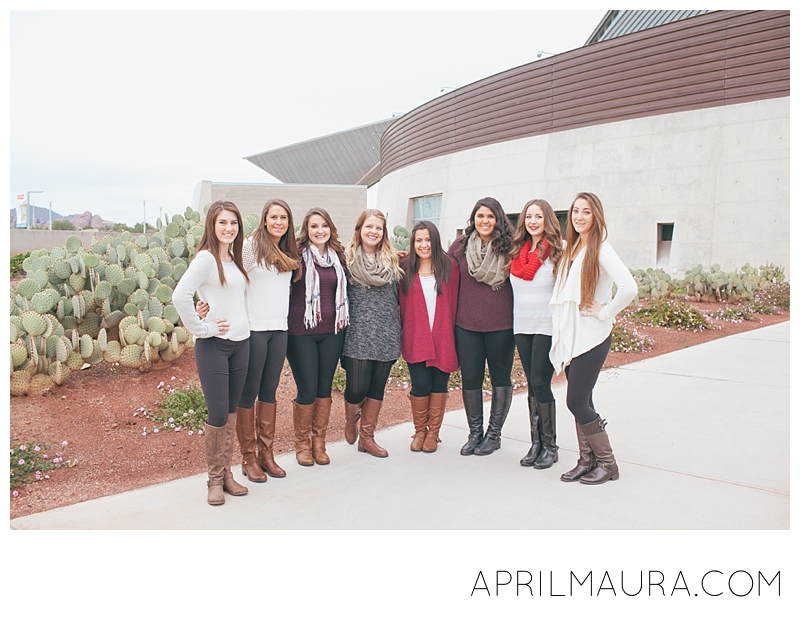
[{"x": 387, "y": 255}]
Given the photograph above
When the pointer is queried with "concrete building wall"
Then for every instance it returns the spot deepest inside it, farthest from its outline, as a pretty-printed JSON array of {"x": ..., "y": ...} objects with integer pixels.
[
  {"x": 344, "y": 202},
  {"x": 720, "y": 174},
  {"x": 23, "y": 240}
]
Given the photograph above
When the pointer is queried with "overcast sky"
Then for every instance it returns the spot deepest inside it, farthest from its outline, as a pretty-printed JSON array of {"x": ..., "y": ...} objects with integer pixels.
[{"x": 112, "y": 108}]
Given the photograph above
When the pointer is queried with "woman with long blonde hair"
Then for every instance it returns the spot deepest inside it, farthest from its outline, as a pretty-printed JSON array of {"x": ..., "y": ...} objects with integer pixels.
[
  {"x": 535, "y": 252},
  {"x": 372, "y": 342},
  {"x": 583, "y": 315}
]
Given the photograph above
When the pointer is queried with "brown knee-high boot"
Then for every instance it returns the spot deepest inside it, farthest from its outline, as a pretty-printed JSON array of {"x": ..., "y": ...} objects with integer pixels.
[
  {"x": 319, "y": 428},
  {"x": 585, "y": 458},
  {"x": 246, "y": 433},
  {"x": 435, "y": 418},
  {"x": 606, "y": 468},
  {"x": 369, "y": 420},
  {"x": 352, "y": 414},
  {"x": 419, "y": 414},
  {"x": 302, "y": 415},
  {"x": 228, "y": 483},
  {"x": 215, "y": 459},
  {"x": 266, "y": 414}
]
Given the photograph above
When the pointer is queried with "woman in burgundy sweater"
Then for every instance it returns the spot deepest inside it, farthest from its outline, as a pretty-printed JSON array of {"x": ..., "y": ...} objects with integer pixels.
[
  {"x": 318, "y": 317},
  {"x": 428, "y": 295},
  {"x": 484, "y": 321}
]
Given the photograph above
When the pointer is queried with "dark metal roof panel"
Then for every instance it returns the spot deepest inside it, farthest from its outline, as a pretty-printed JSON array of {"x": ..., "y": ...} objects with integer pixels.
[
  {"x": 618, "y": 23},
  {"x": 341, "y": 158}
]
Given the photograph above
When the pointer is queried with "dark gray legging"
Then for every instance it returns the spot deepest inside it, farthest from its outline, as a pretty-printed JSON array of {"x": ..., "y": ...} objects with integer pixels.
[
  {"x": 222, "y": 368},
  {"x": 427, "y": 380},
  {"x": 582, "y": 374},
  {"x": 267, "y": 352},
  {"x": 313, "y": 360},
  {"x": 534, "y": 353},
  {"x": 365, "y": 379},
  {"x": 477, "y": 349}
]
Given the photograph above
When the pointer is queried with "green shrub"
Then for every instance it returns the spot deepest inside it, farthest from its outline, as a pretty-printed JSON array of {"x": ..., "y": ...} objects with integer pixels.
[
  {"x": 178, "y": 409},
  {"x": 625, "y": 339},
  {"x": 63, "y": 225},
  {"x": 771, "y": 299},
  {"x": 30, "y": 461},
  {"x": 673, "y": 314},
  {"x": 734, "y": 314},
  {"x": 16, "y": 264}
]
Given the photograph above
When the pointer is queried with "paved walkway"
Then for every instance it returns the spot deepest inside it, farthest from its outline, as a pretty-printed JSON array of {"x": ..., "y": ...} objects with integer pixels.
[{"x": 701, "y": 436}]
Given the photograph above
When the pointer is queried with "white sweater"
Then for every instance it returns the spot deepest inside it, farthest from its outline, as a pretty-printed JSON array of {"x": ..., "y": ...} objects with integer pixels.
[
  {"x": 225, "y": 302},
  {"x": 532, "y": 313},
  {"x": 267, "y": 295},
  {"x": 573, "y": 333}
]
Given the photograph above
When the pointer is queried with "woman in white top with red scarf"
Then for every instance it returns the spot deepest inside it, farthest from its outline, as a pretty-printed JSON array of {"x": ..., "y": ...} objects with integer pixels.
[{"x": 583, "y": 315}]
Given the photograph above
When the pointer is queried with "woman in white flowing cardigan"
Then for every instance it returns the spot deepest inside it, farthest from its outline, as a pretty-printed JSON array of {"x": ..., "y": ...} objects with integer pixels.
[{"x": 583, "y": 315}]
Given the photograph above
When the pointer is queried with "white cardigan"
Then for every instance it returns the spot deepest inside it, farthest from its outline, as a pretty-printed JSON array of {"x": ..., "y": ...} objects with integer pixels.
[{"x": 573, "y": 333}]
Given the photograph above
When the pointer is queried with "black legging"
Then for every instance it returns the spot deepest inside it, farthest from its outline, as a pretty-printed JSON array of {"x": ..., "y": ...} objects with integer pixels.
[
  {"x": 365, "y": 379},
  {"x": 426, "y": 380},
  {"x": 582, "y": 374},
  {"x": 222, "y": 368},
  {"x": 475, "y": 349},
  {"x": 267, "y": 352},
  {"x": 313, "y": 360},
  {"x": 534, "y": 353}
]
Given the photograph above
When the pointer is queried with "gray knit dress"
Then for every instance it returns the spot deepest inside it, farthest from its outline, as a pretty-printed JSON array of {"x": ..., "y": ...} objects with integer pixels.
[{"x": 374, "y": 329}]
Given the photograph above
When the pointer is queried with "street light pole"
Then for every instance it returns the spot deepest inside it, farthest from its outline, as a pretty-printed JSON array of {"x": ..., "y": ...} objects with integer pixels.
[
  {"x": 144, "y": 222},
  {"x": 51, "y": 214},
  {"x": 28, "y": 201}
]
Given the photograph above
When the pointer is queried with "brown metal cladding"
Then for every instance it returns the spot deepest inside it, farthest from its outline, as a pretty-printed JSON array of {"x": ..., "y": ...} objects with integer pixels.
[{"x": 714, "y": 59}]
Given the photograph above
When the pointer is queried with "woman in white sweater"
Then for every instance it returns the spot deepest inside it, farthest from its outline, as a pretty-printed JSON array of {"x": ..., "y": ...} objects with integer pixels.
[
  {"x": 583, "y": 315},
  {"x": 222, "y": 350}
]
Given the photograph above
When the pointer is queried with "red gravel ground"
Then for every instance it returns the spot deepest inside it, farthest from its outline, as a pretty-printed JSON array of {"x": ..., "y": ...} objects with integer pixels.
[{"x": 94, "y": 413}]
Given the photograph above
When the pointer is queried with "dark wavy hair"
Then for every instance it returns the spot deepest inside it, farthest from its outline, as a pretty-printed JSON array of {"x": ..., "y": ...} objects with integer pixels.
[
  {"x": 503, "y": 231},
  {"x": 442, "y": 263},
  {"x": 333, "y": 243},
  {"x": 210, "y": 242},
  {"x": 552, "y": 233},
  {"x": 283, "y": 255}
]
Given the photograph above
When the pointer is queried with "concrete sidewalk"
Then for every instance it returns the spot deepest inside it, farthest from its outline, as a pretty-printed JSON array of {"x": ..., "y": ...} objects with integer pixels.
[{"x": 701, "y": 436}]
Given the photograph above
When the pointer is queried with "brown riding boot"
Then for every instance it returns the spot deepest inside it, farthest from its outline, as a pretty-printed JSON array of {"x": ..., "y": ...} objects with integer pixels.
[
  {"x": 215, "y": 459},
  {"x": 319, "y": 428},
  {"x": 585, "y": 458},
  {"x": 302, "y": 415},
  {"x": 246, "y": 433},
  {"x": 369, "y": 420},
  {"x": 352, "y": 414},
  {"x": 606, "y": 468},
  {"x": 435, "y": 418},
  {"x": 419, "y": 414},
  {"x": 265, "y": 424},
  {"x": 228, "y": 483}
]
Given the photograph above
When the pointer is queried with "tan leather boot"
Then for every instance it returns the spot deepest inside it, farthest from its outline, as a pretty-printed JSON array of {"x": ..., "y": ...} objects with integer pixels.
[
  {"x": 302, "y": 415},
  {"x": 366, "y": 434},
  {"x": 606, "y": 468},
  {"x": 266, "y": 414},
  {"x": 419, "y": 414},
  {"x": 319, "y": 428},
  {"x": 246, "y": 433},
  {"x": 585, "y": 458},
  {"x": 435, "y": 418},
  {"x": 352, "y": 414},
  {"x": 215, "y": 460},
  {"x": 228, "y": 483}
]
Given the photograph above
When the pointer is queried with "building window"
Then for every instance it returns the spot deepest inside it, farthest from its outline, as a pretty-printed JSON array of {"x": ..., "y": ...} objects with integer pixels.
[
  {"x": 563, "y": 218},
  {"x": 664, "y": 244},
  {"x": 426, "y": 208}
]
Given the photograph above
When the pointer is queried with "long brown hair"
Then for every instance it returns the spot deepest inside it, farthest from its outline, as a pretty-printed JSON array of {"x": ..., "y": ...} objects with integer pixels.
[
  {"x": 442, "y": 263},
  {"x": 283, "y": 255},
  {"x": 333, "y": 243},
  {"x": 594, "y": 237},
  {"x": 387, "y": 255},
  {"x": 502, "y": 233},
  {"x": 210, "y": 242},
  {"x": 552, "y": 233}
]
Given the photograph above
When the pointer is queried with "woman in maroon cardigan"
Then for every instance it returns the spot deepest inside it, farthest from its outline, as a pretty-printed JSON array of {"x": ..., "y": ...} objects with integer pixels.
[
  {"x": 428, "y": 295},
  {"x": 484, "y": 322}
]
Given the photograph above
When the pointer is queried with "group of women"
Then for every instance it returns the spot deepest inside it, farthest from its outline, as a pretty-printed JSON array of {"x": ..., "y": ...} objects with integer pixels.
[{"x": 313, "y": 302}]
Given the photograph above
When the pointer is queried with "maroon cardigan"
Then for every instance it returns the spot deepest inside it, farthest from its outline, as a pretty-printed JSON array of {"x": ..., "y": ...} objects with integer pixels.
[
  {"x": 435, "y": 347},
  {"x": 481, "y": 309}
]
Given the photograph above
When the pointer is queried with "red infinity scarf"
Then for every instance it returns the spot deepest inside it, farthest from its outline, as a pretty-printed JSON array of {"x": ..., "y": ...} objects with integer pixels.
[{"x": 527, "y": 263}]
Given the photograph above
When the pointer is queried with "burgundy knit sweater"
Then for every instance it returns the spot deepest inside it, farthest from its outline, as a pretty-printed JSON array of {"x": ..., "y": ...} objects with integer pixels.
[
  {"x": 435, "y": 347},
  {"x": 480, "y": 309},
  {"x": 327, "y": 303}
]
